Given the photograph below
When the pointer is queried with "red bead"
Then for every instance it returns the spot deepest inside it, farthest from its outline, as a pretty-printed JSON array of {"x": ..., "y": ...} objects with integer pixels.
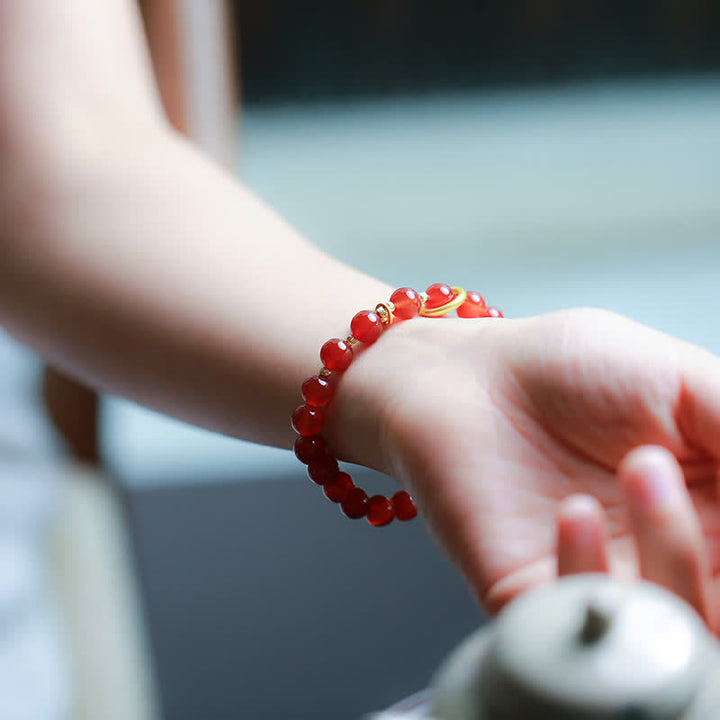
[
  {"x": 473, "y": 307},
  {"x": 494, "y": 312},
  {"x": 366, "y": 327},
  {"x": 308, "y": 449},
  {"x": 355, "y": 503},
  {"x": 323, "y": 470},
  {"x": 380, "y": 511},
  {"x": 307, "y": 420},
  {"x": 404, "y": 506},
  {"x": 338, "y": 489},
  {"x": 317, "y": 391},
  {"x": 438, "y": 294},
  {"x": 336, "y": 355},
  {"x": 407, "y": 303}
]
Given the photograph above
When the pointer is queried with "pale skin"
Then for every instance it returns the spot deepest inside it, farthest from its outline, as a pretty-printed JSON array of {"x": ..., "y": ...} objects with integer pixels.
[{"x": 136, "y": 264}]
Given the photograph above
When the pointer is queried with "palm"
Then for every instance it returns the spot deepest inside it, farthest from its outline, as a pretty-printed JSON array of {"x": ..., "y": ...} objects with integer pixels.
[{"x": 564, "y": 398}]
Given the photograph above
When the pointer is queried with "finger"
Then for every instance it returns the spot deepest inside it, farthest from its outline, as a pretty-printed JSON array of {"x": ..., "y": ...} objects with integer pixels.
[
  {"x": 667, "y": 532},
  {"x": 700, "y": 471},
  {"x": 714, "y": 620},
  {"x": 698, "y": 411},
  {"x": 581, "y": 537}
]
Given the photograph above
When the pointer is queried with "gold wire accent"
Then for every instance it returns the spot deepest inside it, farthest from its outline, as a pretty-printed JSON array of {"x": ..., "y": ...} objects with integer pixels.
[
  {"x": 351, "y": 341},
  {"x": 324, "y": 373},
  {"x": 384, "y": 312},
  {"x": 449, "y": 306}
]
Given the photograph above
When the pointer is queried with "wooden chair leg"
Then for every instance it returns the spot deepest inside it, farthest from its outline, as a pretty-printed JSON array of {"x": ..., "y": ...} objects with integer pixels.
[
  {"x": 193, "y": 49},
  {"x": 163, "y": 25},
  {"x": 73, "y": 410}
]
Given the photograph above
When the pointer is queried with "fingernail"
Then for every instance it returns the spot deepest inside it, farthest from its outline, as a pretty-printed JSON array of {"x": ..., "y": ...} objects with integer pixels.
[
  {"x": 654, "y": 488},
  {"x": 579, "y": 505},
  {"x": 582, "y": 516}
]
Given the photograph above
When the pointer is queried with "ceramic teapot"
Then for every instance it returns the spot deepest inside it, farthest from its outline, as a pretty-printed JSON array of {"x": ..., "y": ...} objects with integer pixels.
[{"x": 586, "y": 647}]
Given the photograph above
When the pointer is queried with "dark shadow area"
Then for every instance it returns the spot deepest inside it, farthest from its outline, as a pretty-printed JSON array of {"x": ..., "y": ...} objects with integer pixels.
[
  {"x": 265, "y": 603},
  {"x": 317, "y": 50}
]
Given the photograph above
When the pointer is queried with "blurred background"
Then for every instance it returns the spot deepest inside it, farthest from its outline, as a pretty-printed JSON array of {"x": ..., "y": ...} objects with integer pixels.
[{"x": 547, "y": 153}]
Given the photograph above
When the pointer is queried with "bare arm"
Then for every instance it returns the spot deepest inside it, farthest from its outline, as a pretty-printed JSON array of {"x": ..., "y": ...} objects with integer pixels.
[
  {"x": 138, "y": 265},
  {"x": 153, "y": 274},
  {"x": 130, "y": 260}
]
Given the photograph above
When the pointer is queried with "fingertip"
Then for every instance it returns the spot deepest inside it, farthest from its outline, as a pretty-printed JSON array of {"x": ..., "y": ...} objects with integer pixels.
[
  {"x": 581, "y": 541},
  {"x": 651, "y": 478},
  {"x": 578, "y": 506},
  {"x": 647, "y": 458}
]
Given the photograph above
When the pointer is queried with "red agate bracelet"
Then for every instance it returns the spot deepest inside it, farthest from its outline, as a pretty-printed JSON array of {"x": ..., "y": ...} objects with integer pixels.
[{"x": 318, "y": 390}]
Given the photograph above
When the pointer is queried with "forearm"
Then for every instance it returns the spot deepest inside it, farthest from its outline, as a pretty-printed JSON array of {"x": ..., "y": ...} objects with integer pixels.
[{"x": 152, "y": 274}]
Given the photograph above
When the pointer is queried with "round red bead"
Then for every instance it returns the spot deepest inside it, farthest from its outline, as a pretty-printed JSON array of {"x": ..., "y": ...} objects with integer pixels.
[
  {"x": 338, "y": 489},
  {"x": 323, "y": 470},
  {"x": 404, "y": 506},
  {"x": 366, "y": 327},
  {"x": 355, "y": 503},
  {"x": 473, "y": 307},
  {"x": 380, "y": 511},
  {"x": 336, "y": 355},
  {"x": 310, "y": 448},
  {"x": 438, "y": 294},
  {"x": 407, "y": 303},
  {"x": 307, "y": 420},
  {"x": 494, "y": 312},
  {"x": 317, "y": 391}
]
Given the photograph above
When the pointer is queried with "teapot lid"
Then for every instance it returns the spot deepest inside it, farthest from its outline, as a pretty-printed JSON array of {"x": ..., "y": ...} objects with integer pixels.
[{"x": 591, "y": 648}]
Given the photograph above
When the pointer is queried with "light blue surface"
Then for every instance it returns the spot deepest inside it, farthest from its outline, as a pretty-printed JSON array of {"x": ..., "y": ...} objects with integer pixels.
[{"x": 602, "y": 195}]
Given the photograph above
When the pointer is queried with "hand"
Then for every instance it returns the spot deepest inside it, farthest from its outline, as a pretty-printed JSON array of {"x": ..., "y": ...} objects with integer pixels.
[
  {"x": 666, "y": 534},
  {"x": 491, "y": 423}
]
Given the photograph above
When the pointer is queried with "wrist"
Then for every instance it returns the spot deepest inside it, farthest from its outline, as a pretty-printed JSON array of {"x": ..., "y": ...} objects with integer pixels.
[
  {"x": 385, "y": 401},
  {"x": 363, "y": 406}
]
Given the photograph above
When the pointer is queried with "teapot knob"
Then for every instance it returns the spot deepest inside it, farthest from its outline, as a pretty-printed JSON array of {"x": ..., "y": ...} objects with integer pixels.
[{"x": 584, "y": 648}]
